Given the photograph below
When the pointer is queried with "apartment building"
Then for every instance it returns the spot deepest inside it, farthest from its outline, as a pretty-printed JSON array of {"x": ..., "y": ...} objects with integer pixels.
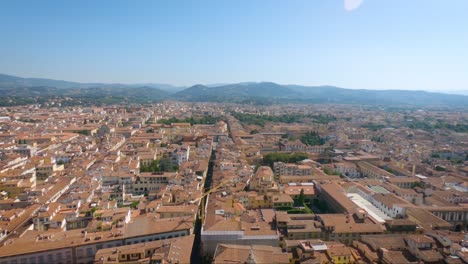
[
  {"x": 147, "y": 181},
  {"x": 172, "y": 250},
  {"x": 390, "y": 204},
  {"x": 347, "y": 169},
  {"x": 79, "y": 246},
  {"x": 343, "y": 228},
  {"x": 335, "y": 197},
  {"x": 372, "y": 171},
  {"x": 283, "y": 169},
  {"x": 228, "y": 253}
]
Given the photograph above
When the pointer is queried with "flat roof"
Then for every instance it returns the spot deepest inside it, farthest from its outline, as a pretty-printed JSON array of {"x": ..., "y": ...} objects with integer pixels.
[
  {"x": 373, "y": 211},
  {"x": 378, "y": 189}
]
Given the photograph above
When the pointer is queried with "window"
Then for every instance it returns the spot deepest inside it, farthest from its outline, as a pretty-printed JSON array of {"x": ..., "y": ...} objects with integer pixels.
[{"x": 89, "y": 252}]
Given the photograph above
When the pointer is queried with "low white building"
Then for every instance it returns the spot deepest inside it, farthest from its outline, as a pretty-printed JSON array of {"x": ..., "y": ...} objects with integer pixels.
[{"x": 390, "y": 204}]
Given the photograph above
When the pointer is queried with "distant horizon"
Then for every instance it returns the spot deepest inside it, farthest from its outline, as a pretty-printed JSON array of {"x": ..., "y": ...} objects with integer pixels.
[{"x": 454, "y": 92}]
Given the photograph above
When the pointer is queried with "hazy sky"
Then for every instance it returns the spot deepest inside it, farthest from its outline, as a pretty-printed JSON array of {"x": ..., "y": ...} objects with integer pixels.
[{"x": 374, "y": 44}]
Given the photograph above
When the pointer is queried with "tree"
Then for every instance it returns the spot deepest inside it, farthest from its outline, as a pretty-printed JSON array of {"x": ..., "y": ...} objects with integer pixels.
[
  {"x": 134, "y": 205},
  {"x": 417, "y": 184},
  {"x": 373, "y": 127},
  {"x": 191, "y": 120},
  {"x": 165, "y": 164},
  {"x": 312, "y": 138},
  {"x": 299, "y": 200},
  {"x": 271, "y": 158},
  {"x": 160, "y": 165},
  {"x": 255, "y": 131}
]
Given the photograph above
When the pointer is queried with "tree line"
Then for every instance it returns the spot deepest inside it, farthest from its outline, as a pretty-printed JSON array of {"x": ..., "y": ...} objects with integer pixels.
[
  {"x": 271, "y": 158},
  {"x": 260, "y": 120},
  {"x": 207, "y": 120}
]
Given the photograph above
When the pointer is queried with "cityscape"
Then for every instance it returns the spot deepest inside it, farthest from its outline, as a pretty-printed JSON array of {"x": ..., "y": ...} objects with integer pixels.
[
  {"x": 184, "y": 182},
  {"x": 233, "y": 132}
]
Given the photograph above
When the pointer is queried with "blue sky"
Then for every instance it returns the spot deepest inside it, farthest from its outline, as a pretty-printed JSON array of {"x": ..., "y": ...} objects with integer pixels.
[{"x": 382, "y": 44}]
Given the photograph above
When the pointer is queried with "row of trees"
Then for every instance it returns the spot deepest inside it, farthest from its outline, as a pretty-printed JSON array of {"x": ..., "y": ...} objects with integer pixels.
[
  {"x": 440, "y": 124},
  {"x": 372, "y": 126},
  {"x": 312, "y": 138},
  {"x": 271, "y": 158},
  {"x": 260, "y": 120},
  {"x": 329, "y": 171},
  {"x": 323, "y": 119},
  {"x": 160, "y": 165},
  {"x": 454, "y": 160},
  {"x": 192, "y": 120}
]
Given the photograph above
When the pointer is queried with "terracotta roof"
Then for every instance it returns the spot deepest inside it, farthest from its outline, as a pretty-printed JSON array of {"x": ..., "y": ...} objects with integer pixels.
[{"x": 226, "y": 253}]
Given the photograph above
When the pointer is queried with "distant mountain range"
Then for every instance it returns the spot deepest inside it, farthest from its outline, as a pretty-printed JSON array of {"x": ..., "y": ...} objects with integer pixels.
[
  {"x": 235, "y": 91},
  {"x": 8, "y": 81},
  {"x": 267, "y": 92},
  {"x": 460, "y": 92},
  {"x": 249, "y": 92}
]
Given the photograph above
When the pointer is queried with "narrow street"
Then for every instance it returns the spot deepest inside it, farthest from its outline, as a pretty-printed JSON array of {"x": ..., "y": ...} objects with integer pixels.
[{"x": 196, "y": 250}]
